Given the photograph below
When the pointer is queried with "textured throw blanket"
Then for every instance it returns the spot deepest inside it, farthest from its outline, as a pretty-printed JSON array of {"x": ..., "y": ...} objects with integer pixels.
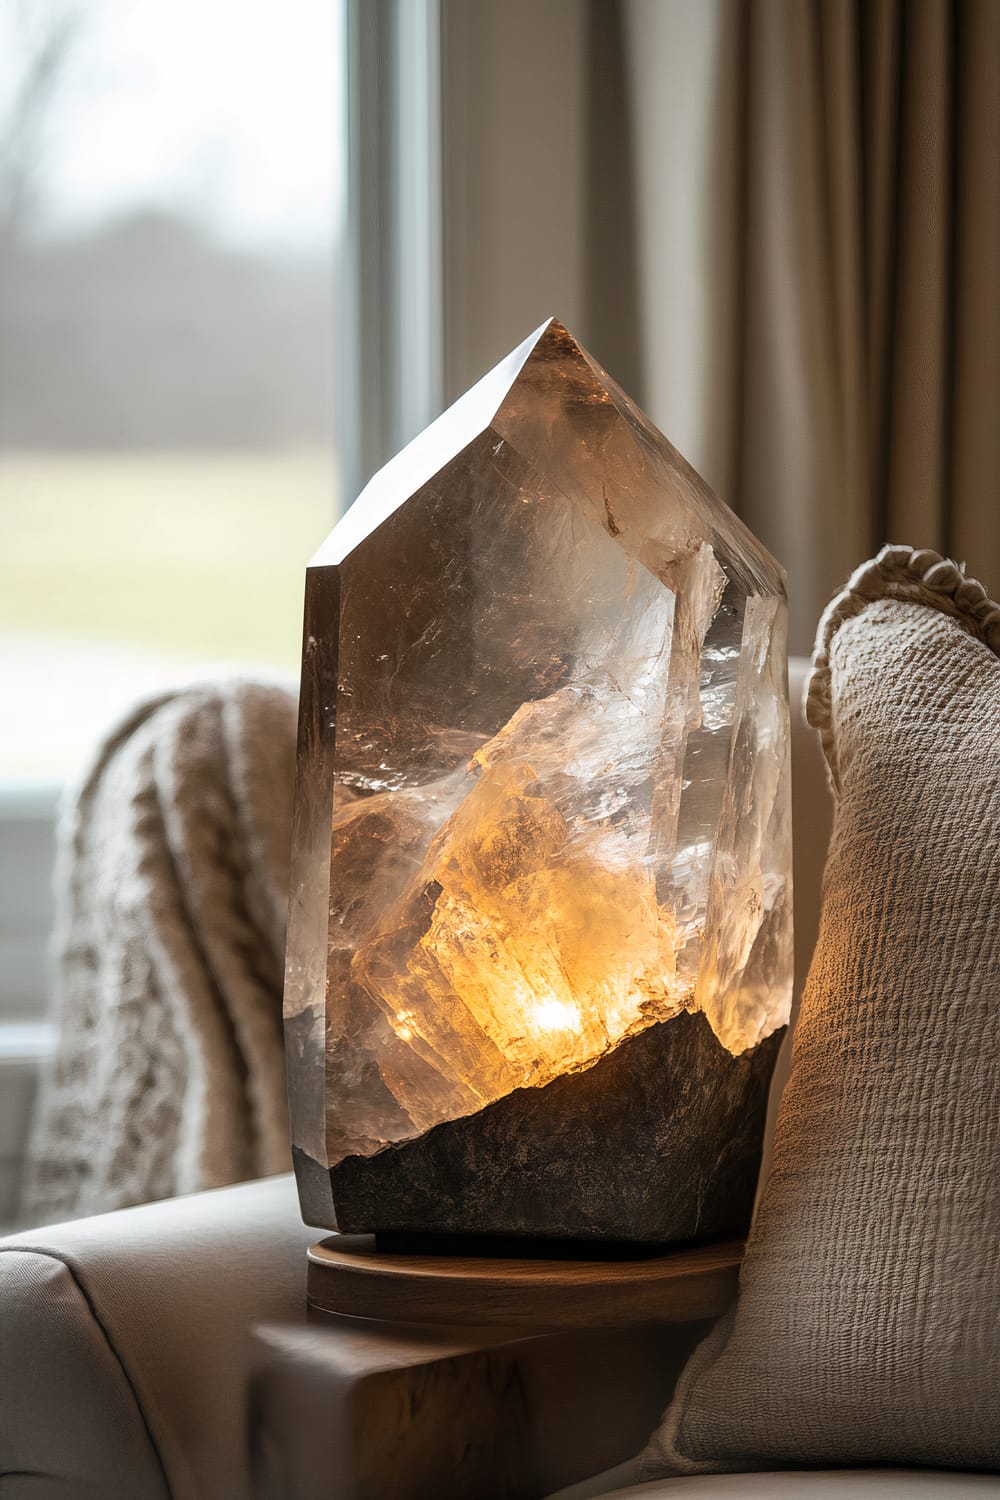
[{"x": 172, "y": 888}]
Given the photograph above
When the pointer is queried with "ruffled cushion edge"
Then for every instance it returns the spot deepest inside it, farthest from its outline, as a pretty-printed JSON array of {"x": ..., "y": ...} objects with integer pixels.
[{"x": 914, "y": 575}]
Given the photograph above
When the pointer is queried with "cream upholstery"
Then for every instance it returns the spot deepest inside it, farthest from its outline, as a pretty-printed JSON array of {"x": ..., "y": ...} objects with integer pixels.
[
  {"x": 127, "y": 1340},
  {"x": 823, "y": 1484}
]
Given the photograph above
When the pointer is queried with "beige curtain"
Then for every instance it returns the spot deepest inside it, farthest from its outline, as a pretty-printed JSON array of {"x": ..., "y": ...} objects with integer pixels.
[{"x": 817, "y": 201}]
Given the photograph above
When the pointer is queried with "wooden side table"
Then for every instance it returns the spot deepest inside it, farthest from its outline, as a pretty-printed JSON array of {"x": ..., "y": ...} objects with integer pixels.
[{"x": 438, "y": 1378}]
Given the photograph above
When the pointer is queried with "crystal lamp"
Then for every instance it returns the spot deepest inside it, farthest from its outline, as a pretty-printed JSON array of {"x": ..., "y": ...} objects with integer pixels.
[{"x": 539, "y": 952}]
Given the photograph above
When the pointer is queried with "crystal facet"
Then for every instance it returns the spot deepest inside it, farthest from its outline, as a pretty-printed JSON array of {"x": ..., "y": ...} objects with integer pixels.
[{"x": 542, "y": 811}]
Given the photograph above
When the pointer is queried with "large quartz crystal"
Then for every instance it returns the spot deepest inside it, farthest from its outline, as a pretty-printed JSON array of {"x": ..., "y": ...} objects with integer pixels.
[{"x": 540, "y": 928}]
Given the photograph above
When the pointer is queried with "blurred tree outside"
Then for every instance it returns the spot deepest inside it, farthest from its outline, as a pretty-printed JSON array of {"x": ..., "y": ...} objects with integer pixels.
[{"x": 167, "y": 338}]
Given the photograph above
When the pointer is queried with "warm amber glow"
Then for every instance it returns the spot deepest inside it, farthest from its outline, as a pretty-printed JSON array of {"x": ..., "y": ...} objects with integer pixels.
[
  {"x": 535, "y": 957},
  {"x": 556, "y": 1015}
]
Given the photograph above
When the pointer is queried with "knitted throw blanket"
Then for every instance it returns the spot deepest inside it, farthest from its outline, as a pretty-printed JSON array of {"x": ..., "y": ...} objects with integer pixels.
[{"x": 171, "y": 897}]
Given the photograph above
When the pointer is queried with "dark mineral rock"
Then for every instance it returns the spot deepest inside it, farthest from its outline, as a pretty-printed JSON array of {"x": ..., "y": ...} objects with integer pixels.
[{"x": 658, "y": 1142}]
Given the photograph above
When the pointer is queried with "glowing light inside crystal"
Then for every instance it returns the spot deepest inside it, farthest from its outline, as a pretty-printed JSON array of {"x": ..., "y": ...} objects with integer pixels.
[{"x": 556, "y": 1015}]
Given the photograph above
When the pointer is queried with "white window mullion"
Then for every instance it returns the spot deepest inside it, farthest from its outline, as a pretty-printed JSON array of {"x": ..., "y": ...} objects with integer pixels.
[{"x": 393, "y": 291}]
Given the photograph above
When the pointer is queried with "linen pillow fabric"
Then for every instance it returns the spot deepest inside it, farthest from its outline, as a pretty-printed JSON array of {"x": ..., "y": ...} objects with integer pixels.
[{"x": 868, "y": 1322}]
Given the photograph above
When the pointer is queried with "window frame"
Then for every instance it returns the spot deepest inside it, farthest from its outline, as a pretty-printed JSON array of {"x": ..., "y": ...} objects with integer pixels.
[{"x": 393, "y": 294}]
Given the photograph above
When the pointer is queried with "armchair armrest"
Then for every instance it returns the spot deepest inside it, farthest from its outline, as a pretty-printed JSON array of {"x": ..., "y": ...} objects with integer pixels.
[
  {"x": 127, "y": 1343},
  {"x": 136, "y": 1344}
]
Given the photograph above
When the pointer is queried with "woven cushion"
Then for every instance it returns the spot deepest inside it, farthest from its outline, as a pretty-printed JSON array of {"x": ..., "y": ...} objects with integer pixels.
[{"x": 868, "y": 1322}]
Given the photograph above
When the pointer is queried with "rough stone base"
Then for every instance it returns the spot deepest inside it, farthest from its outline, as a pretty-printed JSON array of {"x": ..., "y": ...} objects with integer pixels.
[{"x": 658, "y": 1142}]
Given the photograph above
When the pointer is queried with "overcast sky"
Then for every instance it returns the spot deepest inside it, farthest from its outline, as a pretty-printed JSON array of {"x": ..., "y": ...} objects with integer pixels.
[{"x": 228, "y": 109}]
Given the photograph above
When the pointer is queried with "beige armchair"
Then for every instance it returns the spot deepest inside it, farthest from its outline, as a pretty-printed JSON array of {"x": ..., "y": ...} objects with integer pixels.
[{"x": 130, "y": 1342}]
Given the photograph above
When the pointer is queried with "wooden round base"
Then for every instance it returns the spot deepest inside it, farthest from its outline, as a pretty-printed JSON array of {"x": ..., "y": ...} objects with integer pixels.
[{"x": 348, "y": 1275}]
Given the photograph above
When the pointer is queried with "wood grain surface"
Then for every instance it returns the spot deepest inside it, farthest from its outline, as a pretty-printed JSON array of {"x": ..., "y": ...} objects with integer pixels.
[
  {"x": 364, "y": 1410},
  {"x": 348, "y": 1275}
]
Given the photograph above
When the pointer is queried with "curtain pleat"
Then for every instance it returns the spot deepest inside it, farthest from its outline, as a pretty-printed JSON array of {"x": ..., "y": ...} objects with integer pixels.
[
  {"x": 975, "y": 458},
  {"x": 878, "y": 62},
  {"x": 864, "y": 335},
  {"x": 916, "y": 433}
]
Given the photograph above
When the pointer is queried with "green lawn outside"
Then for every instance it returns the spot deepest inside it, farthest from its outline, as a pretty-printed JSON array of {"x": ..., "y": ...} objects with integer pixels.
[{"x": 197, "y": 555}]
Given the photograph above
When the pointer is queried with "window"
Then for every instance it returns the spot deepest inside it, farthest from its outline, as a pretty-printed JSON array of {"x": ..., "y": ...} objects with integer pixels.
[
  {"x": 170, "y": 219},
  {"x": 172, "y": 184}
]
